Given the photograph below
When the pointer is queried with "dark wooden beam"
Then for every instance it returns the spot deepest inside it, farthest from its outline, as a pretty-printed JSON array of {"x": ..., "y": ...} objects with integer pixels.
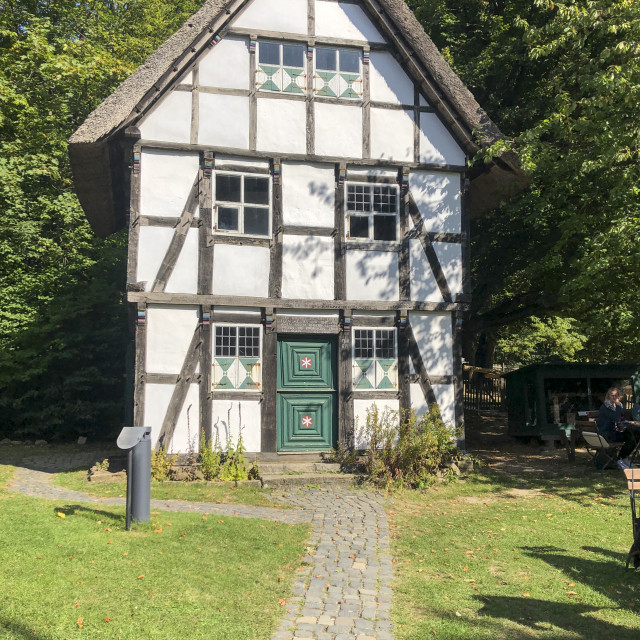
[
  {"x": 186, "y": 377},
  {"x": 178, "y": 240},
  {"x": 428, "y": 249},
  {"x": 418, "y": 366},
  {"x": 269, "y": 385}
]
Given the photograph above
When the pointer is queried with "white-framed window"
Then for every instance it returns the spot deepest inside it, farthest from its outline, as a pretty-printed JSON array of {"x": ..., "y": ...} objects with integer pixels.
[
  {"x": 375, "y": 360},
  {"x": 243, "y": 203},
  {"x": 237, "y": 357},
  {"x": 372, "y": 211},
  {"x": 281, "y": 67},
  {"x": 338, "y": 73}
]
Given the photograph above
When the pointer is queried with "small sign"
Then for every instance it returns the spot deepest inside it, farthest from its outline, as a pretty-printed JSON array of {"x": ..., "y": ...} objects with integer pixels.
[
  {"x": 306, "y": 363},
  {"x": 307, "y": 421}
]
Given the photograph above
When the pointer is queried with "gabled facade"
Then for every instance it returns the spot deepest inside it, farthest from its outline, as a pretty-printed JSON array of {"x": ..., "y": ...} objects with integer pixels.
[{"x": 293, "y": 175}]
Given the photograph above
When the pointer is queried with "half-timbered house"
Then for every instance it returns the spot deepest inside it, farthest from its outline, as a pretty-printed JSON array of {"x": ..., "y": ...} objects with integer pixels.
[{"x": 294, "y": 176}]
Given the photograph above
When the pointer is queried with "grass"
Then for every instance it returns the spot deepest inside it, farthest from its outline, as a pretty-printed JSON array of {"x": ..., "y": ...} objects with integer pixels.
[
  {"x": 83, "y": 575},
  {"x": 215, "y": 492},
  {"x": 500, "y": 557}
]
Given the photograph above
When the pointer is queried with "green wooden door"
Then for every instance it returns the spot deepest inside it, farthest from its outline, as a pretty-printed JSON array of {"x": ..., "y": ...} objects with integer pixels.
[{"x": 307, "y": 399}]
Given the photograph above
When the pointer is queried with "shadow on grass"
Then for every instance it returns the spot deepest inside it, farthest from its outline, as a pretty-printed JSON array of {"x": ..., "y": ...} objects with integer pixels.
[
  {"x": 84, "y": 511},
  {"x": 538, "y": 614},
  {"x": 18, "y": 630},
  {"x": 606, "y": 574},
  {"x": 580, "y": 489}
]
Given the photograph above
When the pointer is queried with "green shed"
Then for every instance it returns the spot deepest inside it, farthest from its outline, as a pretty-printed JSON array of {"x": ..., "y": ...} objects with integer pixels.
[{"x": 540, "y": 396}]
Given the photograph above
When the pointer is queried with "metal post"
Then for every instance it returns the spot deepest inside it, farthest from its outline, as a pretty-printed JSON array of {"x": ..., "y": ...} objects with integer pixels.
[{"x": 141, "y": 479}]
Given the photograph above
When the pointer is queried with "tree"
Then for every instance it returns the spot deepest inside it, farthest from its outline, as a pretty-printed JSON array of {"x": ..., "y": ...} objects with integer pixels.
[
  {"x": 62, "y": 319},
  {"x": 568, "y": 247}
]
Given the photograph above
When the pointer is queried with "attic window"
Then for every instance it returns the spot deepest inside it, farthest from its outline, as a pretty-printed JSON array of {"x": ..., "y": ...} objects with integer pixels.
[
  {"x": 338, "y": 73},
  {"x": 242, "y": 204},
  {"x": 372, "y": 212},
  {"x": 281, "y": 67}
]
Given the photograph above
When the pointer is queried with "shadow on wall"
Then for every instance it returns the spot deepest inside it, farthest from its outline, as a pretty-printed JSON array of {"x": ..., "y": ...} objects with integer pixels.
[
  {"x": 433, "y": 334},
  {"x": 437, "y": 196}
]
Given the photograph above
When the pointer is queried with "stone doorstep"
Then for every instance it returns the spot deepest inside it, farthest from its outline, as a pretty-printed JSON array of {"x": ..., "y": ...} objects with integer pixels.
[
  {"x": 292, "y": 467},
  {"x": 283, "y": 481}
]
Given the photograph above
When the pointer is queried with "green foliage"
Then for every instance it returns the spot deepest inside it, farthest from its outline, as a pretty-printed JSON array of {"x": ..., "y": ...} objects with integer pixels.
[
  {"x": 62, "y": 320},
  {"x": 210, "y": 458},
  {"x": 161, "y": 464},
  {"x": 404, "y": 451},
  {"x": 235, "y": 466},
  {"x": 538, "y": 340},
  {"x": 102, "y": 466},
  {"x": 561, "y": 79}
]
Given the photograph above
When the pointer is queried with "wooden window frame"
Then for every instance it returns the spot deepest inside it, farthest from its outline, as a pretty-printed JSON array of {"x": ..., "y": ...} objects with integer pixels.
[
  {"x": 370, "y": 215},
  {"x": 241, "y": 205}
]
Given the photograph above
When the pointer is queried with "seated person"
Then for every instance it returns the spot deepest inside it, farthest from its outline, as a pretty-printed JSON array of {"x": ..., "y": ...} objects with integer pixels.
[
  {"x": 608, "y": 423},
  {"x": 635, "y": 412}
]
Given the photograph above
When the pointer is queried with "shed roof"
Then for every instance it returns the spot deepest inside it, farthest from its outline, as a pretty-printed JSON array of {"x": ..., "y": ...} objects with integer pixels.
[{"x": 96, "y": 155}]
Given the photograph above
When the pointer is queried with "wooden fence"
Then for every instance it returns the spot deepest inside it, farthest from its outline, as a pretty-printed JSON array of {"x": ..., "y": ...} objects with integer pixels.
[{"x": 482, "y": 393}]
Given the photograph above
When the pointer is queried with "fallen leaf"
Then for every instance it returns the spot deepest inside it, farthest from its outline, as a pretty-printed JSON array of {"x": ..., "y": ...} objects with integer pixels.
[
  {"x": 141, "y": 576},
  {"x": 79, "y": 622},
  {"x": 526, "y": 595},
  {"x": 282, "y": 602},
  {"x": 107, "y": 619},
  {"x": 61, "y": 515}
]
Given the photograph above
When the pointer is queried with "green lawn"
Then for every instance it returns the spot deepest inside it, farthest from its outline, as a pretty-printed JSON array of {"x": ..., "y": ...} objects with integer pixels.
[
  {"x": 214, "y": 492},
  {"x": 494, "y": 557},
  {"x": 182, "y": 575}
]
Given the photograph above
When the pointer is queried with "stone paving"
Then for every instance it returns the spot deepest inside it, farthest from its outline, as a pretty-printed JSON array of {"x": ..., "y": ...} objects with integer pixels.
[{"x": 343, "y": 592}]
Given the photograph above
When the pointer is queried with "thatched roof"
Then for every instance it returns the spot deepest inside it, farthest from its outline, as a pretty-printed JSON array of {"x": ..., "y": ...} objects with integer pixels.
[{"x": 96, "y": 153}]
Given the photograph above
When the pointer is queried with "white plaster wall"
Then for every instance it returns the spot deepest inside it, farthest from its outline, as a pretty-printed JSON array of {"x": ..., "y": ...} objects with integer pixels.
[
  {"x": 445, "y": 397},
  {"x": 253, "y": 315},
  {"x": 157, "y": 398},
  {"x": 388, "y": 81},
  {"x": 169, "y": 333},
  {"x": 437, "y": 196},
  {"x": 226, "y": 65},
  {"x": 433, "y": 335},
  {"x": 361, "y": 440},
  {"x": 436, "y": 143},
  {"x": 170, "y": 120},
  {"x": 372, "y": 275},
  {"x": 165, "y": 181},
  {"x": 282, "y": 126},
  {"x": 184, "y": 278},
  {"x": 450, "y": 258},
  {"x": 338, "y": 130},
  {"x": 224, "y": 121},
  {"x": 187, "y": 78},
  {"x": 152, "y": 247},
  {"x": 344, "y": 20},
  {"x": 241, "y": 271},
  {"x": 289, "y": 16},
  {"x": 307, "y": 267},
  {"x": 308, "y": 194},
  {"x": 417, "y": 399},
  {"x": 424, "y": 286},
  {"x": 392, "y": 135},
  {"x": 230, "y": 415},
  {"x": 153, "y": 243}
]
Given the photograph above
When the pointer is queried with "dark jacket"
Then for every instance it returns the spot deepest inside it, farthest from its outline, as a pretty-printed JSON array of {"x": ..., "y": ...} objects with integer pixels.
[{"x": 607, "y": 418}]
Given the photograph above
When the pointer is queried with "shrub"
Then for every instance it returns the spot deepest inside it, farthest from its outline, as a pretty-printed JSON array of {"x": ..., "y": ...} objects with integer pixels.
[
  {"x": 404, "y": 451},
  {"x": 236, "y": 465},
  {"x": 210, "y": 458},
  {"x": 161, "y": 465}
]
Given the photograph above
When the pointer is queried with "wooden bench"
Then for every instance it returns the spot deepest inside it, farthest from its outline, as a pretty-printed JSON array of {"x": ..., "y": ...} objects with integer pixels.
[{"x": 633, "y": 484}]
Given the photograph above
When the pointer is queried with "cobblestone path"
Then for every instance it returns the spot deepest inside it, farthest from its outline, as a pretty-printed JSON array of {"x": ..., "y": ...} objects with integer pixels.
[{"x": 344, "y": 591}]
